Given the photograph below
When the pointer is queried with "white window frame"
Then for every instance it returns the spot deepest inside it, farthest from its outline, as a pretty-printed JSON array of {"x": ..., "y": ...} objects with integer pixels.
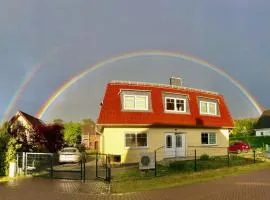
[
  {"x": 136, "y": 147},
  {"x": 176, "y": 111},
  {"x": 132, "y": 95},
  {"x": 208, "y": 133},
  {"x": 207, "y": 107}
]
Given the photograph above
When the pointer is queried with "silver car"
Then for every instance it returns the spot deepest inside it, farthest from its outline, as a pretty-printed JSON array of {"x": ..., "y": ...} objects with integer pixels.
[{"x": 69, "y": 155}]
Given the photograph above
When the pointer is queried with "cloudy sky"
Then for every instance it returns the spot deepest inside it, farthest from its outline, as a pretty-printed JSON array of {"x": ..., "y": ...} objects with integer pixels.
[{"x": 45, "y": 43}]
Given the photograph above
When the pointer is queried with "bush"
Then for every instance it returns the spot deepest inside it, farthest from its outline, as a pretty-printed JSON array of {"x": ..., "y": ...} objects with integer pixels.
[
  {"x": 182, "y": 165},
  {"x": 204, "y": 157},
  {"x": 10, "y": 155},
  {"x": 254, "y": 141}
]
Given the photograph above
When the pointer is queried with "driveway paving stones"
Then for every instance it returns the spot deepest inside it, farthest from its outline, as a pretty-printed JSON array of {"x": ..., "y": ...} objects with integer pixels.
[{"x": 250, "y": 186}]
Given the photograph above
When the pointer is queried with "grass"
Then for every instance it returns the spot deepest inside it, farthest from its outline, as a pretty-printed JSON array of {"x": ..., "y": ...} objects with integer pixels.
[
  {"x": 4, "y": 179},
  {"x": 132, "y": 180}
]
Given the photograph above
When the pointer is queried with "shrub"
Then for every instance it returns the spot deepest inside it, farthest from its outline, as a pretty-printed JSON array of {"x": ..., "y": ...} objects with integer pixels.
[
  {"x": 182, "y": 165},
  {"x": 10, "y": 155},
  {"x": 254, "y": 141},
  {"x": 204, "y": 157}
]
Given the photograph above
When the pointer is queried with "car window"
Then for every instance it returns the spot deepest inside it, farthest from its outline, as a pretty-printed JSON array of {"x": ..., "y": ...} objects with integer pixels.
[{"x": 69, "y": 150}]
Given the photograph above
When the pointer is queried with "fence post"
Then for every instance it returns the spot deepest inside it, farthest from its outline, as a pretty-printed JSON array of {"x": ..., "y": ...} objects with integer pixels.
[
  {"x": 96, "y": 165},
  {"x": 228, "y": 157},
  {"x": 81, "y": 169},
  {"x": 52, "y": 166},
  {"x": 155, "y": 163},
  {"x": 25, "y": 166},
  {"x": 23, "y": 162},
  {"x": 84, "y": 161},
  {"x": 106, "y": 167},
  {"x": 17, "y": 163},
  {"x": 195, "y": 167},
  {"x": 109, "y": 168},
  {"x": 254, "y": 158}
]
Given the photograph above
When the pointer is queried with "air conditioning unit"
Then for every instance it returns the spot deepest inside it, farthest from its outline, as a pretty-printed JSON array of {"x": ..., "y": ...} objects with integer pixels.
[{"x": 147, "y": 161}]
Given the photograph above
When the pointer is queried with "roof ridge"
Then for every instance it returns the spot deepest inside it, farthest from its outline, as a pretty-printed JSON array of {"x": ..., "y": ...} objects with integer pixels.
[{"x": 162, "y": 85}]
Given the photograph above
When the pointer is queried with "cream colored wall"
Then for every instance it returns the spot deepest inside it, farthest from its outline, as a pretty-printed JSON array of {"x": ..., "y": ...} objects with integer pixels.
[
  {"x": 112, "y": 141},
  {"x": 23, "y": 122}
]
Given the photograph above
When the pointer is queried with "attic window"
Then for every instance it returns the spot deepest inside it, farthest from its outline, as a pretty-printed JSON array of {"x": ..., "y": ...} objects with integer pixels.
[
  {"x": 135, "y": 102},
  {"x": 175, "y": 104},
  {"x": 208, "y": 107}
]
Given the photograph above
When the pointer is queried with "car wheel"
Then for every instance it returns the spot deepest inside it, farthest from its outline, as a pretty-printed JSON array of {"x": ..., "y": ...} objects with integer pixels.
[{"x": 238, "y": 151}]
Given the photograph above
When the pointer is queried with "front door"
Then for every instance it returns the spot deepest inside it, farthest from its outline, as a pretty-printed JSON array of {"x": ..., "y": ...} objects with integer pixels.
[
  {"x": 175, "y": 145},
  {"x": 180, "y": 145}
]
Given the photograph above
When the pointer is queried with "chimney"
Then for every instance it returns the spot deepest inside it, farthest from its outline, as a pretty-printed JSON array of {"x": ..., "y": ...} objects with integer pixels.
[{"x": 176, "y": 81}]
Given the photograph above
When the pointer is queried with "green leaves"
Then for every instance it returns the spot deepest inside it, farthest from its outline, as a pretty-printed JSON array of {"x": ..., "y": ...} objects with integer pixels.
[
  {"x": 72, "y": 133},
  {"x": 244, "y": 127}
]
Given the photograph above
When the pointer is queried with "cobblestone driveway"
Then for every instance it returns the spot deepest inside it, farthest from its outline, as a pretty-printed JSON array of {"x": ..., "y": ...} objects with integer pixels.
[{"x": 255, "y": 185}]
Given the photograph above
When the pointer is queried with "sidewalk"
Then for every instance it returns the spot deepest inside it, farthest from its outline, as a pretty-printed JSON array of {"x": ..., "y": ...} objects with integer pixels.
[{"x": 250, "y": 186}]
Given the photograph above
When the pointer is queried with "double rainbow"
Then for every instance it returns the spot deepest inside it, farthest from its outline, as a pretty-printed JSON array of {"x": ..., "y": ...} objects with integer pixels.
[{"x": 42, "y": 111}]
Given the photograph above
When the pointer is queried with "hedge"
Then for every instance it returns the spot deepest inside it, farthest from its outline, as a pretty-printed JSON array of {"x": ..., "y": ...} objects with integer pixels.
[{"x": 254, "y": 141}]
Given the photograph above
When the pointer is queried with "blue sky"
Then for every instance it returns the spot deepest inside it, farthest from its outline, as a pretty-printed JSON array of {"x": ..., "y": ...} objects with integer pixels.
[{"x": 66, "y": 36}]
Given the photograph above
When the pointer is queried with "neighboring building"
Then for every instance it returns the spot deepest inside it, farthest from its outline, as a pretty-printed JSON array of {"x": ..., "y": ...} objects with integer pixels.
[
  {"x": 29, "y": 122},
  {"x": 140, "y": 117},
  {"x": 262, "y": 127},
  {"x": 90, "y": 139}
]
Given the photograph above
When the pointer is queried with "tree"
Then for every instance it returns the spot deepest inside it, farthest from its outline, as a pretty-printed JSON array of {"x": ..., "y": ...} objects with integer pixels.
[
  {"x": 48, "y": 137},
  {"x": 58, "y": 121},
  {"x": 244, "y": 127},
  {"x": 19, "y": 133},
  {"x": 72, "y": 133},
  {"x": 4, "y": 138}
]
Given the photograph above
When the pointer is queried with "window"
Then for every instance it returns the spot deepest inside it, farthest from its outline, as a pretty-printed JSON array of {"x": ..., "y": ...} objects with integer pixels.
[
  {"x": 261, "y": 133},
  {"x": 208, "y": 138},
  {"x": 168, "y": 141},
  {"x": 178, "y": 141},
  {"x": 136, "y": 140},
  {"x": 175, "y": 104},
  {"x": 208, "y": 107},
  {"x": 135, "y": 102}
]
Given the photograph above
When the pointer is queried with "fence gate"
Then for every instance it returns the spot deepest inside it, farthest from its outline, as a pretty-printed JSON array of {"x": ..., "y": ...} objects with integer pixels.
[
  {"x": 103, "y": 167},
  {"x": 39, "y": 164},
  {"x": 91, "y": 166}
]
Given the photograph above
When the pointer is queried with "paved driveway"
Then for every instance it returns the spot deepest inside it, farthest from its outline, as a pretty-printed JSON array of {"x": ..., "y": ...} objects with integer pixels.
[{"x": 255, "y": 185}]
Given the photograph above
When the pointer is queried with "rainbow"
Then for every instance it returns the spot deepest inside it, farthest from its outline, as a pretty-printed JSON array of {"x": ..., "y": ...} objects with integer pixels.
[
  {"x": 90, "y": 69},
  {"x": 28, "y": 77}
]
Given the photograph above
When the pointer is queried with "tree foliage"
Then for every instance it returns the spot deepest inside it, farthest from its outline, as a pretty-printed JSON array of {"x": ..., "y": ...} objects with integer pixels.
[
  {"x": 48, "y": 138},
  {"x": 72, "y": 133},
  {"x": 58, "y": 121},
  {"x": 4, "y": 138},
  {"x": 10, "y": 155},
  {"x": 244, "y": 127}
]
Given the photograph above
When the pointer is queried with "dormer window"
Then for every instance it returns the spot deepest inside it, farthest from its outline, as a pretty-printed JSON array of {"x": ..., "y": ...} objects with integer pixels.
[
  {"x": 135, "y": 102},
  {"x": 208, "y": 107},
  {"x": 175, "y": 104}
]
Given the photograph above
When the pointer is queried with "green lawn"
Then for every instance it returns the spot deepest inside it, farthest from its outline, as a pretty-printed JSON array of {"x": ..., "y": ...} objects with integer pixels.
[
  {"x": 4, "y": 179},
  {"x": 131, "y": 179}
]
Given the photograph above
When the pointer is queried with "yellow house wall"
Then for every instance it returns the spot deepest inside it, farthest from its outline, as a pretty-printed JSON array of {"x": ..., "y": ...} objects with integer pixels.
[{"x": 112, "y": 141}]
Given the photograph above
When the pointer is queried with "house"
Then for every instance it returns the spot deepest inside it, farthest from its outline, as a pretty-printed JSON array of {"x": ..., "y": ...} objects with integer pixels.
[
  {"x": 262, "y": 127},
  {"x": 28, "y": 122},
  {"x": 90, "y": 139},
  {"x": 138, "y": 117}
]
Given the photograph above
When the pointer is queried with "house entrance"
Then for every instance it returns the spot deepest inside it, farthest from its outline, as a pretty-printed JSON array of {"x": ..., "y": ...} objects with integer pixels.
[{"x": 175, "y": 145}]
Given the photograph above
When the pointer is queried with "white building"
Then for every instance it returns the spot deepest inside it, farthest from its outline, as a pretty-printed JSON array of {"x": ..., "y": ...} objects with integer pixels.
[{"x": 263, "y": 124}]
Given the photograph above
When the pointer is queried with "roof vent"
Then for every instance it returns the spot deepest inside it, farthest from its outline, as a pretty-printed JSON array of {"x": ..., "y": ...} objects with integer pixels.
[{"x": 176, "y": 81}]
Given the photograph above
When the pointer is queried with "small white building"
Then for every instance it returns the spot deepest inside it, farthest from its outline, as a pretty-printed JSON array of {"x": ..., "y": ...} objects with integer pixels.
[{"x": 263, "y": 125}]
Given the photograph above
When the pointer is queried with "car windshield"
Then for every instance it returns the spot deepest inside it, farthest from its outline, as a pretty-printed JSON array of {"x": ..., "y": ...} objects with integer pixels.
[{"x": 69, "y": 150}]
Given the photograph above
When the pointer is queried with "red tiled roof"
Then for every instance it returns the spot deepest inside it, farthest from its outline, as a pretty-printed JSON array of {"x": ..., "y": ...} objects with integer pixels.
[{"x": 111, "y": 114}]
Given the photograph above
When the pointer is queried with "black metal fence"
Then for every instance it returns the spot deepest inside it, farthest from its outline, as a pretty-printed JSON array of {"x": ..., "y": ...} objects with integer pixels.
[
  {"x": 103, "y": 166},
  {"x": 199, "y": 158},
  {"x": 91, "y": 166}
]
